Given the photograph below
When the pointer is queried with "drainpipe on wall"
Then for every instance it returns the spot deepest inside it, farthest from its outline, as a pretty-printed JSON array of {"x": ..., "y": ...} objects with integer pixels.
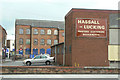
[
  {"x": 55, "y": 55},
  {"x": 64, "y": 49}
]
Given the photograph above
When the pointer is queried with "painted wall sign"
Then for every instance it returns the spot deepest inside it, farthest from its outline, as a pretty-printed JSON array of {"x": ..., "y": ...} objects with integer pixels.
[{"x": 91, "y": 27}]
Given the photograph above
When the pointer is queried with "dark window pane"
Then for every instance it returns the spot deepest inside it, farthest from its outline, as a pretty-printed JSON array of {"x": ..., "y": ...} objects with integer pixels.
[
  {"x": 42, "y": 41},
  {"x": 20, "y": 41},
  {"x": 35, "y": 41}
]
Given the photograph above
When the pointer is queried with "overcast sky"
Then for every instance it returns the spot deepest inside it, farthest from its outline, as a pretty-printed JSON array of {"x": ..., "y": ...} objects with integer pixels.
[{"x": 45, "y": 10}]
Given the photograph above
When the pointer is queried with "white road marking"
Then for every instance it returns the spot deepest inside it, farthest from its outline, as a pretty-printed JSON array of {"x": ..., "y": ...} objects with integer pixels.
[{"x": 62, "y": 76}]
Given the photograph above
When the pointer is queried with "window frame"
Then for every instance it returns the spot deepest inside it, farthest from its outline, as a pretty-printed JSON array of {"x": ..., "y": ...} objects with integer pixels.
[
  {"x": 56, "y": 32},
  {"x": 21, "y": 31},
  {"x": 42, "y": 31},
  {"x": 48, "y": 42},
  {"x": 34, "y": 42},
  {"x": 26, "y": 41},
  {"x": 58, "y": 50},
  {"x": 34, "y": 32},
  {"x": 49, "y": 32},
  {"x": 21, "y": 41},
  {"x": 41, "y": 42},
  {"x": 55, "y": 40},
  {"x": 27, "y": 31},
  {"x": 63, "y": 34}
]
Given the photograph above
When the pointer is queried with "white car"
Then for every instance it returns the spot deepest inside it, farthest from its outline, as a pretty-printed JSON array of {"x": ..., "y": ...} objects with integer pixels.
[{"x": 39, "y": 59}]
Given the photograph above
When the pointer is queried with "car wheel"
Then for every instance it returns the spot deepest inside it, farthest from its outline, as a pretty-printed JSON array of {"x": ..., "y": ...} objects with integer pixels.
[
  {"x": 47, "y": 62},
  {"x": 28, "y": 63}
]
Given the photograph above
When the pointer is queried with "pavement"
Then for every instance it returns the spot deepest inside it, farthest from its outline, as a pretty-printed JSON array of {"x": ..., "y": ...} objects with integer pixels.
[{"x": 61, "y": 77}]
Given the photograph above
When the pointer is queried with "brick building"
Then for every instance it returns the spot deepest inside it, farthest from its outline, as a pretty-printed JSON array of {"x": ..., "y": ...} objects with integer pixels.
[
  {"x": 82, "y": 46},
  {"x": 57, "y": 51},
  {"x": 34, "y": 37},
  {"x": 3, "y": 41}
]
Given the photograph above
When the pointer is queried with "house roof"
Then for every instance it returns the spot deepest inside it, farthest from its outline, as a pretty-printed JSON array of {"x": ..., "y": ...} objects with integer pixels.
[
  {"x": 41, "y": 23},
  {"x": 57, "y": 44}
]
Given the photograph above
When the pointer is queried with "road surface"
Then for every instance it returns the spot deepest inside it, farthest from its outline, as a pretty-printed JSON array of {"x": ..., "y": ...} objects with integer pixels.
[{"x": 61, "y": 77}]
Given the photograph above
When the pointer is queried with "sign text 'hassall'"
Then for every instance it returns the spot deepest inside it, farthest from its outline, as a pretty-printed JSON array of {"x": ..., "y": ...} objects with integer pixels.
[{"x": 91, "y": 27}]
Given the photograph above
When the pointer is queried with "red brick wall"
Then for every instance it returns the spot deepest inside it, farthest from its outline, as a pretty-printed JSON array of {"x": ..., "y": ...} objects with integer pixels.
[
  {"x": 61, "y": 37},
  {"x": 86, "y": 51},
  {"x": 68, "y": 39},
  {"x": 45, "y": 37},
  {"x": 34, "y": 36},
  {"x": 55, "y": 70},
  {"x": 24, "y": 36},
  {"x": 58, "y": 56}
]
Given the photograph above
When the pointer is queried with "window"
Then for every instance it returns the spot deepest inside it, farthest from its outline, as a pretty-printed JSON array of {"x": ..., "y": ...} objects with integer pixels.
[
  {"x": 63, "y": 34},
  {"x": 55, "y": 32},
  {"x": 70, "y": 49},
  {"x": 43, "y": 56},
  {"x": 37, "y": 57},
  {"x": 20, "y": 41},
  {"x": 42, "y": 31},
  {"x": 65, "y": 48},
  {"x": 48, "y": 31},
  {"x": 35, "y": 31},
  {"x": 58, "y": 50},
  {"x": 55, "y": 41},
  {"x": 62, "y": 49},
  {"x": 42, "y": 41},
  {"x": 27, "y": 31},
  {"x": 35, "y": 41},
  {"x": 20, "y": 31},
  {"x": 49, "y": 41},
  {"x": 27, "y": 41}
]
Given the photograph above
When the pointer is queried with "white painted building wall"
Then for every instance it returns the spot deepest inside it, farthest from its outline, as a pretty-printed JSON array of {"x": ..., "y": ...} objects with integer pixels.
[{"x": 12, "y": 45}]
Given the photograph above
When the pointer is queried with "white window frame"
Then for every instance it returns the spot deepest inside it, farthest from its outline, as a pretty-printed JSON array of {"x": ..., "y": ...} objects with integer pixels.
[
  {"x": 42, "y": 31},
  {"x": 21, "y": 31},
  {"x": 42, "y": 41},
  {"x": 35, "y": 31},
  {"x": 21, "y": 41},
  {"x": 49, "y": 32},
  {"x": 49, "y": 41},
  {"x": 55, "y": 41},
  {"x": 27, "y": 31},
  {"x": 55, "y": 32}
]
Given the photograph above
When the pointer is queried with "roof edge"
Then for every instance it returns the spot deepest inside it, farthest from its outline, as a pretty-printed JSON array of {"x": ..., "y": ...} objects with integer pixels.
[{"x": 74, "y": 9}]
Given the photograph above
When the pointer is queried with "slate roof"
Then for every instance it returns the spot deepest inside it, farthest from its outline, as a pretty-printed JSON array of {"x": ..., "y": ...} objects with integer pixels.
[{"x": 41, "y": 23}]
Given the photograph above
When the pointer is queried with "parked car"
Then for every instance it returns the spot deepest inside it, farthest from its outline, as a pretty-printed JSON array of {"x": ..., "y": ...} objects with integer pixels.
[
  {"x": 18, "y": 56},
  {"x": 39, "y": 59}
]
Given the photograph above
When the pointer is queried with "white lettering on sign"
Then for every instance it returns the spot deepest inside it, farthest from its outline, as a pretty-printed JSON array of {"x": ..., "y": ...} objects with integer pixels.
[
  {"x": 88, "y": 21},
  {"x": 91, "y": 27}
]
